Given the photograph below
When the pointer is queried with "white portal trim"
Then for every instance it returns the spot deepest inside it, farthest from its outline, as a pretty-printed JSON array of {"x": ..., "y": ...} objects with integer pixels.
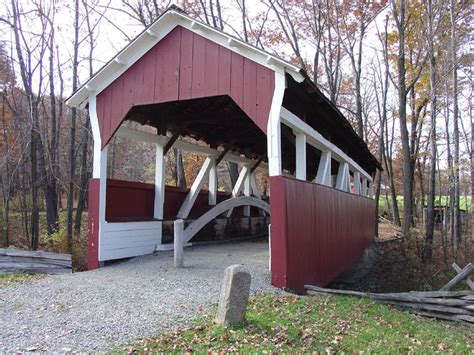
[
  {"x": 102, "y": 199},
  {"x": 195, "y": 189},
  {"x": 323, "y": 176},
  {"x": 315, "y": 139},
  {"x": 96, "y": 135},
  {"x": 300, "y": 147},
  {"x": 273, "y": 127}
]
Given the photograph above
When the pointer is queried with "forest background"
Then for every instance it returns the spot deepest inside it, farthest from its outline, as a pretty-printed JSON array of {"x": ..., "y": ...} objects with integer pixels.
[{"x": 400, "y": 70}]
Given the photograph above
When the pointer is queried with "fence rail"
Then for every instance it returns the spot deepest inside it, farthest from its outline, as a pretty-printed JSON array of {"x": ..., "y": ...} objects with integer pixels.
[{"x": 21, "y": 261}]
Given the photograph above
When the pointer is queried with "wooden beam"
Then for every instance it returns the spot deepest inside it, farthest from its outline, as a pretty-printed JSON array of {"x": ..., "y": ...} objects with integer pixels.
[
  {"x": 141, "y": 136},
  {"x": 222, "y": 155},
  {"x": 315, "y": 139},
  {"x": 468, "y": 280},
  {"x": 213, "y": 183},
  {"x": 300, "y": 156},
  {"x": 255, "y": 166},
  {"x": 357, "y": 185},
  {"x": 239, "y": 184},
  {"x": 170, "y": 142},
  {"x": 159, "y": 182},
  {"x": 323, "y": 176},
  {"x": 468, "y": 269},
  {"x": 342, "y": 182},
  {"x": 195, "y": 189}
]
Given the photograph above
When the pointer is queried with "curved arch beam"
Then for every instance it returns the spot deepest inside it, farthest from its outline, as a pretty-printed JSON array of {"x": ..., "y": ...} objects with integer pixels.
[{"x": 219, "y": 209}]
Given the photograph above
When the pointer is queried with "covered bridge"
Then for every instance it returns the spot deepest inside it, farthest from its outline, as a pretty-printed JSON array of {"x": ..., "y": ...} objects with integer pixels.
[{"x": 241, "y": 104}]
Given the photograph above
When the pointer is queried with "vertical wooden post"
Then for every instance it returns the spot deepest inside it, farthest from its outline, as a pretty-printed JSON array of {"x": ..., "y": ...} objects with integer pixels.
[
  {"x": 357, "y": 186},
  {"x": 159, "y": 183},
  {"x": 342, "y": 182},
  {"x": 273, "y": 127},
  {"x": 371, "y": 188},
  {"x": 300, "y": 156},
  {"x": 364, "y": 187},
  {"x": 195, "y": 188},
  {"x": 323, "y": 175},
  {"x": 213, "y": 182},
  {"x": 247, "y": 190}
]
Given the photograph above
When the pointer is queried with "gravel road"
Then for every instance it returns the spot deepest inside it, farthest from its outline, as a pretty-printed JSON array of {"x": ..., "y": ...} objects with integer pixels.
[{"x": 101, "y": 310}]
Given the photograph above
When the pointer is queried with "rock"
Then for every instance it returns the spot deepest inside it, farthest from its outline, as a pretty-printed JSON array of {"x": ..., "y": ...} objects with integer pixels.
[{"x": 234, "y": 296}]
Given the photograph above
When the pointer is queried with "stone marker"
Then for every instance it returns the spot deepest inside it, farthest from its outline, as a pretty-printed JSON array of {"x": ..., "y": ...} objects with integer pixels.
[{"x": 234, "y": 296}]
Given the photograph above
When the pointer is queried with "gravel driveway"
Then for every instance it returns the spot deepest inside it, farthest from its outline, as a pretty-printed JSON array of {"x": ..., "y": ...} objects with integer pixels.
[{"x": 102, "y": 309}]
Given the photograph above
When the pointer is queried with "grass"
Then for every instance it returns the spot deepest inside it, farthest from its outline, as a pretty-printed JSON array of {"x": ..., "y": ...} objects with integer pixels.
[
  {"x": 464, "y": 202},
  {"x": 304, "y": 324},
  {"x": 13, "y": 279}
]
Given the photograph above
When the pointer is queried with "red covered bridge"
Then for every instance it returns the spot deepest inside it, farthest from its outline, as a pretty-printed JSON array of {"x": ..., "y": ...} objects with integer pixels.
[{"x": 237, "y": 103}]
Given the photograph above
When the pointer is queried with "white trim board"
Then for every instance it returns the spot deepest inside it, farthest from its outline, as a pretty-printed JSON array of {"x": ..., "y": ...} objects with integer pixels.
[{"x": 315, "y": 139}]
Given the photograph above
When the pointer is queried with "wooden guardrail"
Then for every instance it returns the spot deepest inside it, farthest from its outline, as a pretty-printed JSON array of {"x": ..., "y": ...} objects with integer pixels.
[
  {"x": 22, "y": 261},
  {"x": 442, "y": 304}
]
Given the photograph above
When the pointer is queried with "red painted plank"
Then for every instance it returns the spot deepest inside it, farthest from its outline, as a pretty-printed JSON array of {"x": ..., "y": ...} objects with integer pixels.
[
  {"x": 224, "y": 71},
  {"x": 167, "y": 85},
  {"x": 138, "y": 70},
  {"x": 265, "y": 90},
  {"x": 127, "y": 100},
  {"x": 149, "y": 73},
  {"x": 237, "y": 78},
  {"x": 186, "y": 65},
  {"x": 250, "y": 90},
  {"x": 211, "y": 69},
  {"x": 93, "y": 225},
  {"x": 278, "y": 230},
  {"x": 199, "y": 65}
]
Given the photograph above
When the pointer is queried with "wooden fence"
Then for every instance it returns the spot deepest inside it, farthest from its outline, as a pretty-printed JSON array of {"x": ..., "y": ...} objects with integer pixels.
[{"x": 22, "y": 261}]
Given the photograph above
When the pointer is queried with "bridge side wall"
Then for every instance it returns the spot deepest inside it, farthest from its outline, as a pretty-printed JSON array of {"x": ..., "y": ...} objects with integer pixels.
[{"x": 317, "y": 232}]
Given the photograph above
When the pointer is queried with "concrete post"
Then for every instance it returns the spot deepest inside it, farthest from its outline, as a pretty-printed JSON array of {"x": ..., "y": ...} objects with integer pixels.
[{"x": 178, "y": 243}]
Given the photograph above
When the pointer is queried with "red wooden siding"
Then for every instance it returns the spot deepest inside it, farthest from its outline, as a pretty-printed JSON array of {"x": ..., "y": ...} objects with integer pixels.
[
  {"x": 129, "y": 201},
  {"x": 134, "y": 201},
  {"x": 184, "y": 65},
  {"x": 93, "y": 225},
  {"x": 316, "y": 232}
]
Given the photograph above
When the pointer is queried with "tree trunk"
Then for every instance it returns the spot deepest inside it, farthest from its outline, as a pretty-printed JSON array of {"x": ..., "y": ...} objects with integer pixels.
[
  {"x": 428, "y": 248},
  {"x": 402, "y": 101},
  {"x": 72, "y": 146},
  {"x": 84, "y": 174},
  {"x": 456, "y": 218}
]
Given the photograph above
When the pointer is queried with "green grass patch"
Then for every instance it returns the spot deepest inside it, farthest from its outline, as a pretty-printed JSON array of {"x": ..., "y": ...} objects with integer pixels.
[
  {"x": 304, "y": 324},
  {"x": 464, "y": 202}
]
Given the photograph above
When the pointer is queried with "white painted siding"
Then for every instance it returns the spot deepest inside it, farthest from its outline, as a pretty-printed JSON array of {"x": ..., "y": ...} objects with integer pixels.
[{"x": 124, "y": 240}]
